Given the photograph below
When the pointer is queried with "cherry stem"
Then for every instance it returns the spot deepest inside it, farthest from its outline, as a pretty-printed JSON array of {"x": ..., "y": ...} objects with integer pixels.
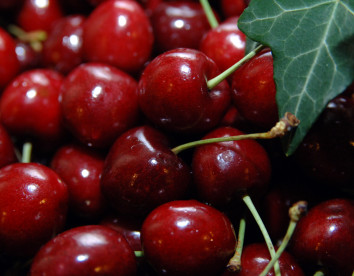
[
  {"x": 284, "y": 125},
  {"x": 139, "y": 254},
  {"x": 26, "y": 152},
  {"x": 234, "y": 264},
  {"x": 216, "y": 80},
  {"x": 248, "y": 201},
  {"x": 209, "y": 13},
  {"x": 321, "y": 273},
  {"x": 295, "y": 213},
  {"x": 34, "y": 38}
]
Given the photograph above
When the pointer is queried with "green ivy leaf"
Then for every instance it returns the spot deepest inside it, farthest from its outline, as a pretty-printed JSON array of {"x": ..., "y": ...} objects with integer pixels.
[{"x": 312, "y": 43}]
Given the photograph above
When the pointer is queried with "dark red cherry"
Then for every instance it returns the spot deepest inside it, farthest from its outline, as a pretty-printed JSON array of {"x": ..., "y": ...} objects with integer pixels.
[
  {"x": 178, "y": 24},
  {"x": 173, "y": 92},
  {"x": 223, "y": 171},
  {"x": 141, "y": 172},
  {"x": 253, "y": 90},
  {"x": 7, "y": 149},
  {"x": 9, "y": 5},
  {"x": 325, "y": 236},
  {"x": 33, "y": 206},
  {"x": 9, "y": 64},
  {"x": 85, "y": 250},
  {"x": 255, "y": 258},
  {"x": 99, "y": 102},
  {"x": 27, "y": 56},
  {"x": 231, "y": 8},
  {"x": 81, "y": 169},
  {"x": 30, "y": 105},
  {"x": 119, "y": 33},
  {"x": 186, "y": 237},
  {"x": 62, "y": 50},
  {"x": 225, "y": 44},
  {"x": 38, "y": 15}
]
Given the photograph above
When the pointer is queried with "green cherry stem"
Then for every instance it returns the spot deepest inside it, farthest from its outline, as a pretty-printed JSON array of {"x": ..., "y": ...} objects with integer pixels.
[
  {"x": 209, "y": 13},
  {"x": 295, "y": 213},
  {"x": 216, "y": 80},
  {"x": 139, "y": 254},
  {"x": 321, "y": 273},
  {"x": 26, "y": 152},
  {"x": 285, "y": 124},
  {"x": 234, "y": 264},
  {"x": 34, "y": 38},
  {"x": 248, "y": 201}
]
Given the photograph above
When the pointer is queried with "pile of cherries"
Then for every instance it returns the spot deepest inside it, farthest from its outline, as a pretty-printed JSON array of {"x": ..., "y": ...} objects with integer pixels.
[{"x": 95, "y": 99}]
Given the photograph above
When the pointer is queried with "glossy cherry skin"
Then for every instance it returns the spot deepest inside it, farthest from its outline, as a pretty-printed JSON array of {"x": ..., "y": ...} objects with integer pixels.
[
  {"x": 38, "y": 15},
  {"x": 62, "y": 50},
  {"x": 325, "y": 236},
  {"x": 141, "y": 172},
  {"x": 225, "y": 44},
  {"x": 223, "y": 171},
  {"x": 186, "y": 237},
  {"x": 178, "y": 24},
  {"x": 173, "y": 92},
  {"x": 119, "y": 33},
  {"x": 99, "y": 102},
  {"x": 7, "y": 149},
  {"x": 255, "y": 258},
  {"x": 231, "y": 8},
  {"x": 30, "y": 107},
  {"x": 9, "y": 64},
  {"x": 85, "y": 250},
  {"x": 253, "y": 90},
  {"x": 28, "y": 57},
  {"x": 33, "y": 207},
  {"x": 81, "y": 169}
]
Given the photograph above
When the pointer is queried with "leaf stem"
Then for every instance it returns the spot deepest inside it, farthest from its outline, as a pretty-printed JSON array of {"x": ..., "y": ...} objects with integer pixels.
[
  {"x": 248, "y": 201},
  {"x": 209, "y": 13},
  {"x": 26, "y": 152},
  {"x": 216, "y": 80},
  {"x": 234, "y": 264},
  {"x": 139, "y": 254}
]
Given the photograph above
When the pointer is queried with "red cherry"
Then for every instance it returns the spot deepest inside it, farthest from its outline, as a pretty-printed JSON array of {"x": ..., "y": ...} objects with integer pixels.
[
  {"x": 173, "y": 92},
  {"x": 225, "y": 44},
  {"x": 119, "y": 33},
  {"x": 178, "y": 24},
  {"x": 325, "y": 236},
  {"x": 253, "y": 90},
  {"x": 134, "y": 185},
  {"x": 85, "y": 250},
  {"x": 223, "y": 171},
  {"x": 99, "y": 102},
  {"x": 30, "y": 105},
  {"x": 62, "y": 50},
  {"x": 81, "y": 168},
  {"x": 187, "y": 237},
  {"x": 33, "y": 206},
  {"x": 231, "y": 8},
  {"x": 38, "y": 15},
  {"x": 7, "y": 149},
  {"x": 28, "y": 58},
  {"x": 9, "y": 64},
  {"x": 255, "y": 258}
]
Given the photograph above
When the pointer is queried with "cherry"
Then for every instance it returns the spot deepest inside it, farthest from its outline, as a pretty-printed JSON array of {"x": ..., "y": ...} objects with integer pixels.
[
  {"x": 178, "y": 24},
  {"x": 119, "y": 33},
  {"x": 9, "y": 64},
  {"x": 99, "y": 102},
  {"x": 224, "y": 171},
  {"x": 325, "y": 236},
  {"x": 28, "y": 57},
  {"x": 62, "y": 50},
  {"x": 33, "y": 206},
  {"x": 231, "y": 8},
  {"x": 30, "y": 105},
  {"x": 7, "y": 149},
  {"x": 7, "y": 5},
  {"x": 81, "y": 168},
  {"x": 255, "y": 257},
  {"x": 173, "y": 92},
  {"x": 135, "y": 186},
  {"x": 85, "y": 250},
  {"x": 38, "y": 15},
  {"x": 253, "y": 90},
  {"x": 225, "y": 44},
  {"x": 186, "y": 237}
]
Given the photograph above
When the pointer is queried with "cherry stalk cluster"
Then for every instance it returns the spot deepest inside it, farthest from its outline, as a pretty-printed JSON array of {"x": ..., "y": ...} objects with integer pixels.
[{"x": 139, "y": 138}]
